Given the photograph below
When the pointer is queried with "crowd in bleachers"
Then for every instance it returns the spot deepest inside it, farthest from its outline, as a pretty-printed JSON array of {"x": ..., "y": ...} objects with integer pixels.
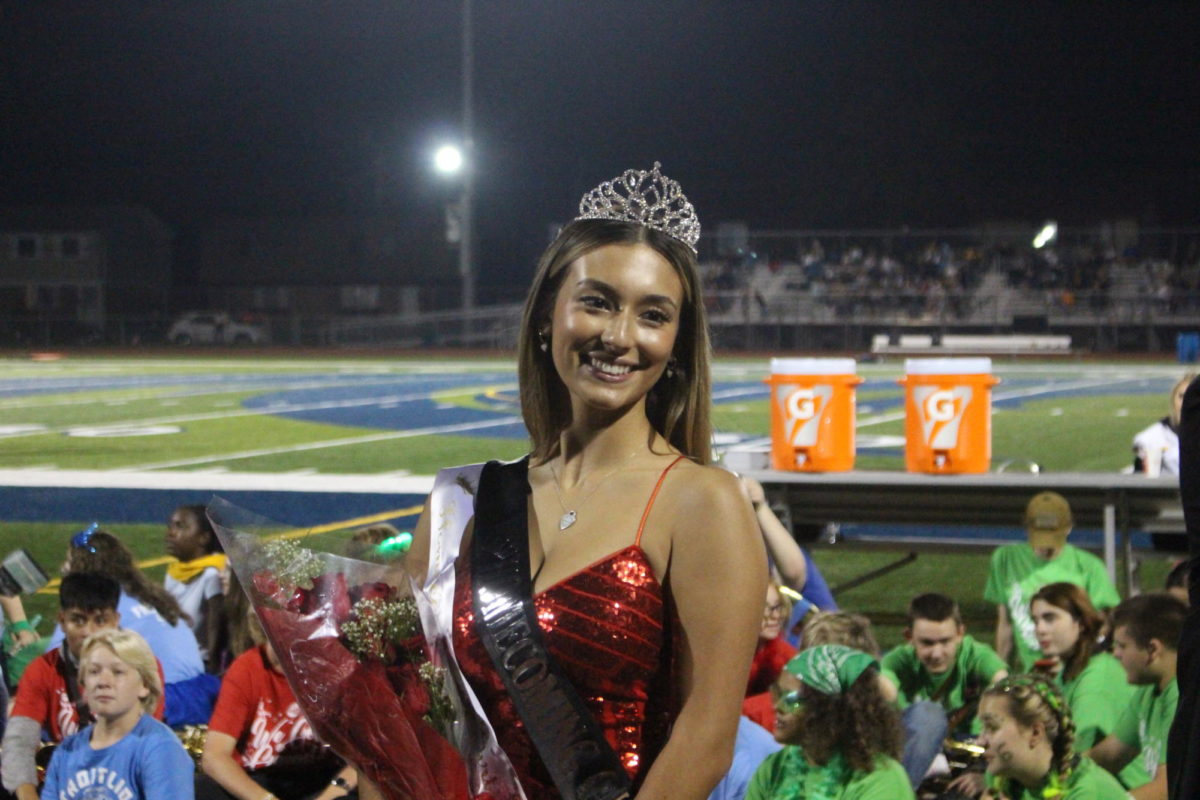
[
  {"x": 937, "y": 278},
  {"x": 130, "y": 658}
]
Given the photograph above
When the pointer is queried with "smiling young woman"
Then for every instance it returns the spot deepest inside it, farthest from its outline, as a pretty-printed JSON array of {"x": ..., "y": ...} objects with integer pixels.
[
  {"x": 611, "y": 530},
  {"x": 1029, "y": 745}
]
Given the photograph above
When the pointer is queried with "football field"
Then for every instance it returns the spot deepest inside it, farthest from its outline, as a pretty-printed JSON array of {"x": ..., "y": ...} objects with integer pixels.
[{"x": 333, "y": 442}]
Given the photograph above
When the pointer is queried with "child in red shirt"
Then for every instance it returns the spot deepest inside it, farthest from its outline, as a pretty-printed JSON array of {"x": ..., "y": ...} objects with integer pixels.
[{"x": 48, "y": 701}]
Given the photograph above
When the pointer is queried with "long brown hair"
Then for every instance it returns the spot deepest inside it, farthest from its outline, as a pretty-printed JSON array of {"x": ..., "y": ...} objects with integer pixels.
[
  {"x": 678, "y": 405},
  {"x": 860, "y": 724},
  {"x": 108, "y": 555},
  {"x": 1075, "y": 601}
]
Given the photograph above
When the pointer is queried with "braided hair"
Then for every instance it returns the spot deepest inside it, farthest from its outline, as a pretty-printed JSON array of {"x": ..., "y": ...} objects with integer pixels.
[{"x": 1036, "y": 698}]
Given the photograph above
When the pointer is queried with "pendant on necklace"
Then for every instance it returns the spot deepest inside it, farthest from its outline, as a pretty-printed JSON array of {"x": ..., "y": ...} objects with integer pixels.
[{"x": 566, "y": 520}]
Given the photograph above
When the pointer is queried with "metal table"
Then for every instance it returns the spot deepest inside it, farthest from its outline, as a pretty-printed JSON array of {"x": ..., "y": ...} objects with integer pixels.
[{"x": 1116, "y": 503}]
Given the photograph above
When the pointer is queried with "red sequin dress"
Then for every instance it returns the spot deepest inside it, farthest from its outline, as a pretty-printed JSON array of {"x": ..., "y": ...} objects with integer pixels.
[{"x": 612, "y": 629}]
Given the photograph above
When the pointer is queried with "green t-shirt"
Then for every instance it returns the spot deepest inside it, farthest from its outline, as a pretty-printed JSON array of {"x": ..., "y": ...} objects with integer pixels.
[
  {"x": 1146, "y": 722},
  {"x": 974, "y": 665},
  {"x": 1087, "y": 782},
  {"x": 1015, "y": 575},
  {"x": 779, "y": 778},
  {"x": 1097, "y": 697}
]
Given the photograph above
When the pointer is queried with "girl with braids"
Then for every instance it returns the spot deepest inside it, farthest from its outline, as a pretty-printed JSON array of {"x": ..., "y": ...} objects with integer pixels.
[
  {"x": 149, "y": 610},
  {"x": 1068, "y": 630},
  {"x": 1029, "y": 745},
  {"x": 841, "y": 737}
]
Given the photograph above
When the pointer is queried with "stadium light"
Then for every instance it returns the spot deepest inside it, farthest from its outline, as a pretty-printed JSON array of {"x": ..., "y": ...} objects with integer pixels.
[
  {"x": 1046, "y": 235},
  {"x": 448, "y": 159}
]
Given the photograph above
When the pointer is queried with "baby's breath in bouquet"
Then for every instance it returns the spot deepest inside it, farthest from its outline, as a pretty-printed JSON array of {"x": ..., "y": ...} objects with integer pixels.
[{"x": 350, "y": 643}]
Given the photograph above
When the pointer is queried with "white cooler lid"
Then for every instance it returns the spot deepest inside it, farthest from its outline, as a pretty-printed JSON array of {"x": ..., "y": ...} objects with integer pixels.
[
  {"x": 947, "y": 366},
  {"x": 813, "y": 366}
]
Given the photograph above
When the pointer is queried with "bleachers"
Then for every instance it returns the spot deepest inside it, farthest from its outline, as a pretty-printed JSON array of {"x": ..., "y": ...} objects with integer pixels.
[{"x": 952, "y": 344}]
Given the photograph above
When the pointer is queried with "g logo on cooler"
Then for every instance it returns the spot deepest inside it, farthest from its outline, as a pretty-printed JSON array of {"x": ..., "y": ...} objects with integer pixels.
[
  {"x": 800, "y": 404},
  {"x": 939, "y": 406}
]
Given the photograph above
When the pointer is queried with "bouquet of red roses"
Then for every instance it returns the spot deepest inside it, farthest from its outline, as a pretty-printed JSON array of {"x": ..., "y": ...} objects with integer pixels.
[{"x": 348, "y": 635}]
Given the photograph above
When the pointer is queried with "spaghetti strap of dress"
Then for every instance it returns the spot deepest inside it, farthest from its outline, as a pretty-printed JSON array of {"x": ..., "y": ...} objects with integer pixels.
[{"x": 650, "y": 503}]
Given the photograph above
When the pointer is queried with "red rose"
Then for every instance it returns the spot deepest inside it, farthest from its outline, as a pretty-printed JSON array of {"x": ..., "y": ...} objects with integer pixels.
[
  {"x": 328, "y": 590},
  {"x": 376, "y": 591}
]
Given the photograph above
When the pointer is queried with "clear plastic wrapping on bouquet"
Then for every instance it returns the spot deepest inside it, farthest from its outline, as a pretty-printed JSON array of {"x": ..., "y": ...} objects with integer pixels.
[{"x": 386, "y": 697}]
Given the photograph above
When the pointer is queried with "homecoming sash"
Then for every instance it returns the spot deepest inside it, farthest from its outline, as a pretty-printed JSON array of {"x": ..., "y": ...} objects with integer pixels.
[{"x": 566, "y": 735}]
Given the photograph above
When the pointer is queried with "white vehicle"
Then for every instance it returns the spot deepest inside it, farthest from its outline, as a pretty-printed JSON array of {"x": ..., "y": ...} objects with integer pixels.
[{"x": 215, "y": 327}]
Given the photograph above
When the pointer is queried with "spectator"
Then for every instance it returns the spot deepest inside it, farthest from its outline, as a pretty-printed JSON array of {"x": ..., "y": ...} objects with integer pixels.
[
  {"x": 23, "y": 635},
  {"x": 194, "y": 580},
  {"x": 1145, "y": 631},
  {"x": 772, "y": 651},
  {"x": 1028, "y": 740},
  {"x": 259, "y": 739},
  {"x": 840, "y": 736},
  {"x": 939, "y": 675},
  {"x": 127, "y": 752},
  {"x": 48, "y": 705},
  {"x": 941, "y": 663},
  {"x": 1069, "y": 631},
  {"x": 1017, "y": 571},
  {"x": 1156, "y": 448},
  {"x": 149, "y": 610}
]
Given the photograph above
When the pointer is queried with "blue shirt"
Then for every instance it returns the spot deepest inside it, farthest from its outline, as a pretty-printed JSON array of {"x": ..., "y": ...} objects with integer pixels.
[
  {"x": 751, "y": 748},
  {"x": 175, "y": 647},
  {"x": 148, "y": 763}
]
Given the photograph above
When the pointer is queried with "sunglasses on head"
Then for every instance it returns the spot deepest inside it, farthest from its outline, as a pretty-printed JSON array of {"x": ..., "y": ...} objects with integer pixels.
[{"x": 84, "y": 537}]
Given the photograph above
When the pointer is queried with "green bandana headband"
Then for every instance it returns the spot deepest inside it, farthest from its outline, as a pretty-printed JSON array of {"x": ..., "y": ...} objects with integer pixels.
[{"x": 830, "y": 668}]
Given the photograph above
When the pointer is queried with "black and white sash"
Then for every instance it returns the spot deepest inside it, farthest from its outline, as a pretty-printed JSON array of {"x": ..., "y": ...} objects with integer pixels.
[{"x": 565, "y": 733}]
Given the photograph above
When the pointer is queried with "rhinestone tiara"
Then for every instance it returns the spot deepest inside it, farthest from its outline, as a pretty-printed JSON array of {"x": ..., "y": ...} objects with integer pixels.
[{"x": 646, "y": 198}]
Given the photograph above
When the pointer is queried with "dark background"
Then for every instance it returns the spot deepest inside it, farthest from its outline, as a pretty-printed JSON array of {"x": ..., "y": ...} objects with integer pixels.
[{"x": 781, "y": 114}]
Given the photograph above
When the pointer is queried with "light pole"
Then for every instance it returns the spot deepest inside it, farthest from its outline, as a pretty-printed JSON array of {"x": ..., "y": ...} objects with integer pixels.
[{"x": 466, "y": 247}]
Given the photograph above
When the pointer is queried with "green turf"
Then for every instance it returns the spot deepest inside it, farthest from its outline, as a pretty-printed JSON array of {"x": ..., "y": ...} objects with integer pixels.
[{"x": 1088, "y": 432}]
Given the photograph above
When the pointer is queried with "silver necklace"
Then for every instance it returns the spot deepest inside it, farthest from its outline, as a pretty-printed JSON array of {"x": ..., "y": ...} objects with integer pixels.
[{"x": 570, "y": 515}]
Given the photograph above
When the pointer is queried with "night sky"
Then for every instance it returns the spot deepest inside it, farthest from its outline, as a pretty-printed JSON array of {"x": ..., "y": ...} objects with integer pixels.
[{"x": 782, "y": 114}]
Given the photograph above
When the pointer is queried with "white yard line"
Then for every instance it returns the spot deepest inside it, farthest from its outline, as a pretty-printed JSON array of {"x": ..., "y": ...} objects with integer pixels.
[
  {"x": 280, "y": 408},
  {"x": 172, "y": 391},
  {"x": 388, "y": 483},
  {"x": 299, "y": 448}
]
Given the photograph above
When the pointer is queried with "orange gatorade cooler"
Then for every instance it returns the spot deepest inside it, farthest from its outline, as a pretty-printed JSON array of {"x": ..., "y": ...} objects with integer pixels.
[
  {"x": 812, "y": 414},
  {"x": 948, "y": 414}
]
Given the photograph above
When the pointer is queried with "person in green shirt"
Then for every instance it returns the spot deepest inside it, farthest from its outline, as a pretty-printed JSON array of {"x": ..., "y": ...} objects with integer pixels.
[
  {"x": 941, "y": 663},
  {"x": 1068, "y": 629},
  {"x": 1028, "y": 736},
  {"x": 1145, "y": 631},
  {"x": 939, "y": 676},
  {"x": 1017, "y": 571},
  {"x": 841, "y": 737}
]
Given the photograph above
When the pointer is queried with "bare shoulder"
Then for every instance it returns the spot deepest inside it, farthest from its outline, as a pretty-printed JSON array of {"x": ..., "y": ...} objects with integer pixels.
[
  {"x": 707, "y": 498},
  {"x": 707, "y": 487}
]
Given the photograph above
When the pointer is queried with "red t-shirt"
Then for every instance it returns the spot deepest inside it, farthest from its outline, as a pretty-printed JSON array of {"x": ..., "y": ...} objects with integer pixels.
[
  {"x": 257, "y": 708},
  {"x": 769, "y": 659},
  {"x": 760, "y": 708},
  {"x": 42, "y": 696}
]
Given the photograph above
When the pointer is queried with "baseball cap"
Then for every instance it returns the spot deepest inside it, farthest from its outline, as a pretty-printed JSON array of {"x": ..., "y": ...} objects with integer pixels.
[{"x": 1048, "y": 520}]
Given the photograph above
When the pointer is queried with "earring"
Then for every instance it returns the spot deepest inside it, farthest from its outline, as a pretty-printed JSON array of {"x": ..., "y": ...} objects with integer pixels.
[
  {"x": 671, "y": 366},
  {"x": 543, "y": 344}
]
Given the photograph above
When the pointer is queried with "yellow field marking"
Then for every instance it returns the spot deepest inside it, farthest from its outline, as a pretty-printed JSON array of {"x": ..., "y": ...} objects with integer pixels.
[{"x": 297, "y": 533}]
